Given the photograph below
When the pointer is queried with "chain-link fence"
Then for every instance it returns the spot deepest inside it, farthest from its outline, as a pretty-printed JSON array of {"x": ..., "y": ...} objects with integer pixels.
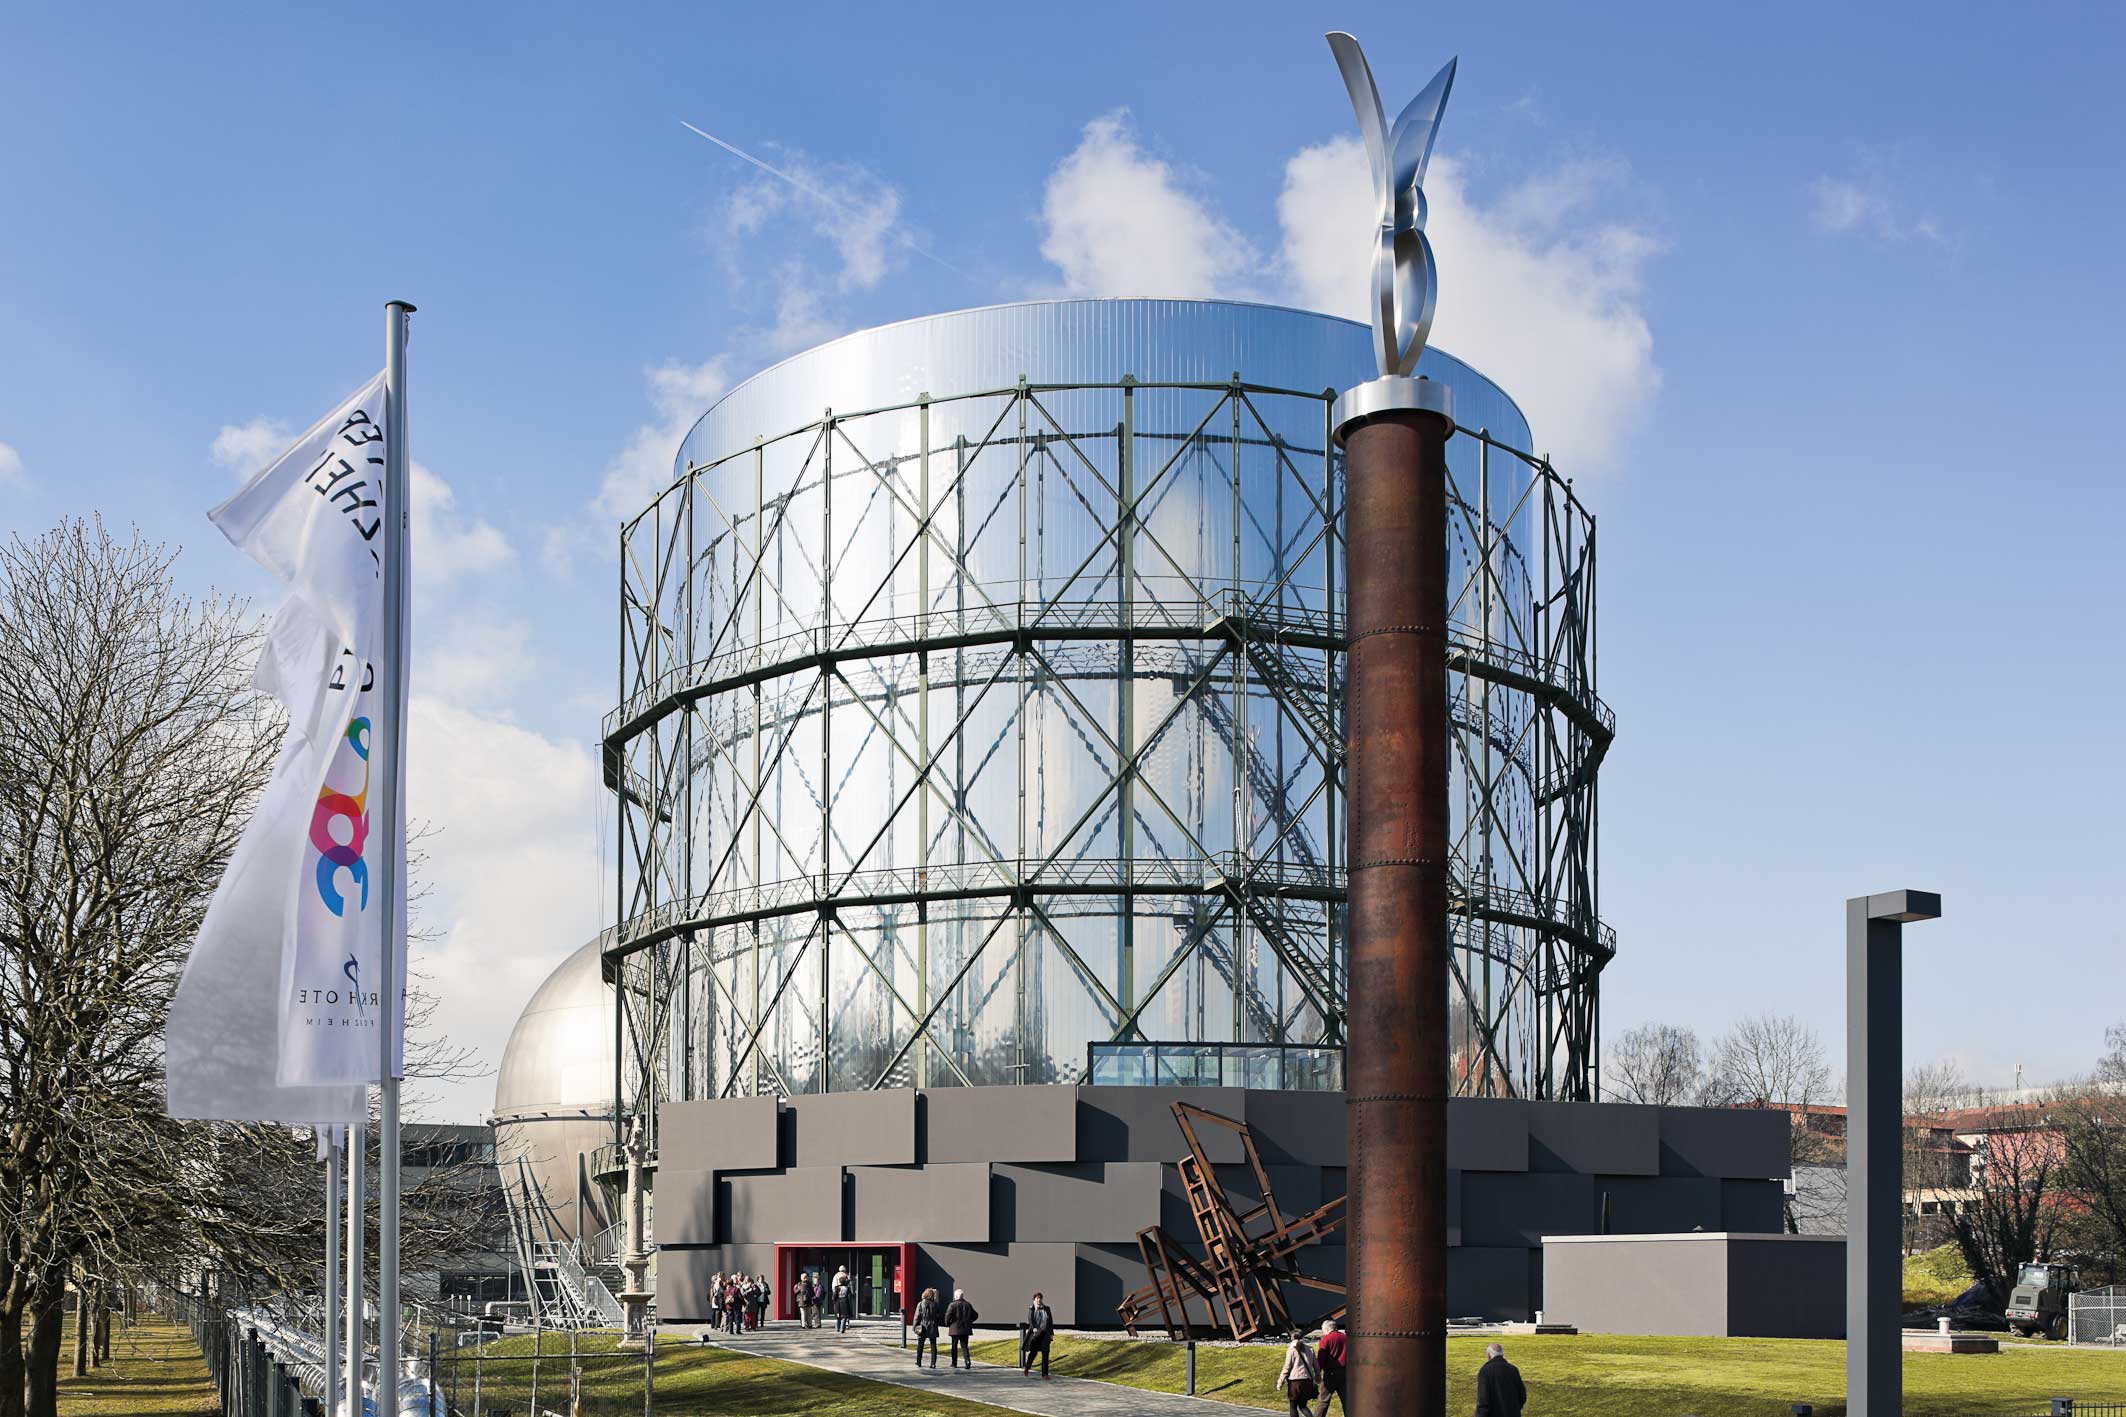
[{"x": 2097, "y": 1318}]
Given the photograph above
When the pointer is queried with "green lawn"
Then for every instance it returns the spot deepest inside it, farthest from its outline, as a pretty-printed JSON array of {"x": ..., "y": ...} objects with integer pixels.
[
  {"x": 155, "y": 1371},
  {"x": 693, "y": 1380},
  {"x": 1595, "y": 1375}
]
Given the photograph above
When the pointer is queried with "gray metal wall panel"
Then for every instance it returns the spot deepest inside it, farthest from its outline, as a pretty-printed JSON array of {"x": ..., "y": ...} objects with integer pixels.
[
  {"x": 1611, "y": 1137},
  {"x": 1137, "y": 1123},
  {"x": 1659, "y": 1285},
  {"x": 683, "y": 1276},
  {"x": 802, "y": 1204},
  {"x": 1487, "y": 1134},
  {"x": 1749, "y": 1142},
  {"x": 999, "y": 1124},
  {"x": 1790, "y": 1287},
  {"x": 896, "y": 1204},
  {"x": 1489, "y": 1281},
  {"x": 855, "y": 1128},
  {"x": 1298, "y": 1128},
  {"x": 1659, "y": 1205},
  {"x": 1501, "y": 1210},
  {"x": 1752, "y": 1207},
  {"x": 729, "y": 1134},
  {"x": 1000, "y": 1279},
  {"x": 1091, "y": 1202},
  {"x": 686, "y": 1207}
]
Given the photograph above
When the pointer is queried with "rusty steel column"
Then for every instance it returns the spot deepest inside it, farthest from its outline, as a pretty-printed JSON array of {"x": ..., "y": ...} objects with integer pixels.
[{"x": 1395, "y": 1071}]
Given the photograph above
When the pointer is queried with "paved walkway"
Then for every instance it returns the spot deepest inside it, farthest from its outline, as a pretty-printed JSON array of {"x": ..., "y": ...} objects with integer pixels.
[{"x": 873, "y": 1350}]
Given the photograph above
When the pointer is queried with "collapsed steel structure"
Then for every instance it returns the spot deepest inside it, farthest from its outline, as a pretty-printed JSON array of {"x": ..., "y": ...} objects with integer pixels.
[
  {"x": 967, "y": 738},
  {"x": 1249, "y": 1254}
]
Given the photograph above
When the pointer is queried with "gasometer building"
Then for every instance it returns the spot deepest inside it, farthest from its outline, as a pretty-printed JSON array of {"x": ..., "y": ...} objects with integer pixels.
[{"x": 978, "y": 783}]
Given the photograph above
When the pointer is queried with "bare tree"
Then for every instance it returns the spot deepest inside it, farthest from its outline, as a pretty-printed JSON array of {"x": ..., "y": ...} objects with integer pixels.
[
  {"x": 1775, "y": 1060},
  {"x": 2014, "y": 1215},
  {"x": 1934, "y": 1160},
  {"x": 2111, "y": 1068},
  {"x": 1655, "y": 1063}
]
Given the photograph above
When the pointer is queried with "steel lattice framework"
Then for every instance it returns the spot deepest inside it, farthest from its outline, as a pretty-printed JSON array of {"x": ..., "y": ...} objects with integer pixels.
[{"x": 956, "y": 735}]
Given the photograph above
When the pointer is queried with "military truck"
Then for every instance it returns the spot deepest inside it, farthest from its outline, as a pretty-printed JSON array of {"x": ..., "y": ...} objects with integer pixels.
[{"x": 2039, "y": 1303}]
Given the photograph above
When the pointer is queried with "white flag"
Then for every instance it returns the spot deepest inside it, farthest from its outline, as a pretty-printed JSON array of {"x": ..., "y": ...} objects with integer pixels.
[{"x": 277, "y": 1016}]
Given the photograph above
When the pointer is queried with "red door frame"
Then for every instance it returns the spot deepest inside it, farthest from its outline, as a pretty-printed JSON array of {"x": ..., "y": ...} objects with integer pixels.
[{"x": 786, "y": 1273}]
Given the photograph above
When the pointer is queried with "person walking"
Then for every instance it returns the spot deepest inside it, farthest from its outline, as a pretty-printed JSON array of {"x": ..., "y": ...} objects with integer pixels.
[
  {"x": 1499, "y": 1389},
  {"x": 926, "y": 1326},
  {"x": 1297, "y": 1377},
  {"x": 1036, "y": 1334},
  {"x": 797, "y": 1299},
  {"x": 844, "y": 1299},
  {"x": 816, "y": 1297},
  {"x": 1330, "y": 1352},
  {"x": 960, "y": 1319}
]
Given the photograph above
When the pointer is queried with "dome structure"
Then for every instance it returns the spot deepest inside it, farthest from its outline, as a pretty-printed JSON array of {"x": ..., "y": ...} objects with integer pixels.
[{"x": 554, "y": 1103}]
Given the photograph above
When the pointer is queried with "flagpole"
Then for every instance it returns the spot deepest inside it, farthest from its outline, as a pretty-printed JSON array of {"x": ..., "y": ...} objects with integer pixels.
[
  {"x": 391, "y": 859},
  {"x": 332, "y": 1274},
  {"x": 357, "y": 1214}
]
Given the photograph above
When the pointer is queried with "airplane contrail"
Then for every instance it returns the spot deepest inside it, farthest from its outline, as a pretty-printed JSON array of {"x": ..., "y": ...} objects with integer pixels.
[{"x": 829, "y": 198}]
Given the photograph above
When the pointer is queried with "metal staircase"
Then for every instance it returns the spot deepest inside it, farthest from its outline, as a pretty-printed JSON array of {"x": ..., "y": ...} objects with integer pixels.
[{"x": 568, "y": 1295}]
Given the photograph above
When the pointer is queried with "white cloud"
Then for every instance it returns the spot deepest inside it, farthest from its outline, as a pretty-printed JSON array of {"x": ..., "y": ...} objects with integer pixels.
[
  {"x": 446, "y": 544},
  {"x": 12, "y": 473},
  {"x": 681, "y": 392},
  {"x": 244, "y": 448},
  {"x": 1117, "y": 221},
  {"x": 1842, "y": 206},
  {"x": 1536, "y": 290},
  {"x": 513, "y": 869}
]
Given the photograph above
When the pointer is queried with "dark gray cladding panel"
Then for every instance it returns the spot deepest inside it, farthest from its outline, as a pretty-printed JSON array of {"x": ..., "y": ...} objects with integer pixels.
[
  {"x": 1092, "y": 1201},
  {"x": 1614, "y": 1138},
  {"x": 1137, "y": 1123},
  {"x": 1105, "y": 1274},
  {"x": 1787, "y": 1288},
  {"x": 1520, "y": 1210},
  {"x": 802, "y": 1204},
  {"x": 1000, "y": 1124},
  {"x": 1743, "y": 1142},
  {"x": 1752, "y": 1207},
  {"x": 1000, "y": 1279},
  {"x": 683, "y": 1276},
  {"x": 1491, "y": 1282},
  {"x": 1298, "y": 1128},
  {"x": 732, "y": 1134},
  {"x": 686, "y": 1207},
  {"x": 1297, "y": 1188},
  {"x": 1487, "y": 1134},
  {"x": 896, "y": 1204},
  {"x": 1658, "y": 1205},
  {"x": 856, "y": 1128}
]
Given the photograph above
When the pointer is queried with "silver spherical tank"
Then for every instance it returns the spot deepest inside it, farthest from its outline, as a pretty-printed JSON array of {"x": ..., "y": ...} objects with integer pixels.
[{"x": 554, "y": 1104}]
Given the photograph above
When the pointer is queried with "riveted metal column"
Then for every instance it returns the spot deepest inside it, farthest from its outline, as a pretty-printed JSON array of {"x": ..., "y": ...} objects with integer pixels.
[{"x": 1396, "y": 1068}]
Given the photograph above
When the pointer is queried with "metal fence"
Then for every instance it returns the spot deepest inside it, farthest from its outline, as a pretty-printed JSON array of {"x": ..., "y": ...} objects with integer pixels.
[
  {"x": 2097, "y": 1318},
  {"x": 544, "y": 1373}
]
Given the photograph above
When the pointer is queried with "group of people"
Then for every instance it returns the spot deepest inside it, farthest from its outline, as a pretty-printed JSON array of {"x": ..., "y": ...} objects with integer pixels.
[
  {"x": 738, "y": 1302},
  {"x": 810, "y": 1296},
  {"x": 1314, "y": 1367},
  {"x": 1037, "y": 1331}
]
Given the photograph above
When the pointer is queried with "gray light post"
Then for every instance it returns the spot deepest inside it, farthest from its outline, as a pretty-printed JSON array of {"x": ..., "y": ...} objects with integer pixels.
[{"x": 1874, "y": 1238}]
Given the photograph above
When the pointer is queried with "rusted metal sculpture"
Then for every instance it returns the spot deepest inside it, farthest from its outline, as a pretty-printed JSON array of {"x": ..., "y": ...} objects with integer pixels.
[{"x": 1248, "y": 1255}]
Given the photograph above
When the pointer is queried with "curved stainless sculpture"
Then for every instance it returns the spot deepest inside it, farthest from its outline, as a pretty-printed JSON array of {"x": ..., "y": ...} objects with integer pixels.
[{"x": 1403, "y": 284}]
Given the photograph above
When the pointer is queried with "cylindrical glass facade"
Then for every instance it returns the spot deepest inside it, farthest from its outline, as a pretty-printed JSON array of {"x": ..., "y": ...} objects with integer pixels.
[{"x": 981, "y": 716}]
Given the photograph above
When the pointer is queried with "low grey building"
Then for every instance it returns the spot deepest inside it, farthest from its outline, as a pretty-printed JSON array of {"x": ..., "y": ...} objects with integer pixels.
[
  {"x": 1706, "y": 1284},
  {"x": 1003, "y": 1190}
]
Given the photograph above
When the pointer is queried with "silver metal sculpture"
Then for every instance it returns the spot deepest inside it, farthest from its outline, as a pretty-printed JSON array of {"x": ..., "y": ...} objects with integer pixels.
[{"x": 1403, "y": 285}]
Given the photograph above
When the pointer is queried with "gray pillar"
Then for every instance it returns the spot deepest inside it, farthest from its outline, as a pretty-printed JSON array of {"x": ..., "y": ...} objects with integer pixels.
[{"x": 1874, "y": 1024}]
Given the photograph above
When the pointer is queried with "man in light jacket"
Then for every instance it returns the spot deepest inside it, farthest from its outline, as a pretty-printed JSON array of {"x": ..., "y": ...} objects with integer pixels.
[{"x": 1035, "y": 1334}]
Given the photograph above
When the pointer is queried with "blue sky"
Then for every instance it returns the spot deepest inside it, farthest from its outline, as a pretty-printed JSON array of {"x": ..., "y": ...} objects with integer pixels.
[{"x": 1820, "y": 308}]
